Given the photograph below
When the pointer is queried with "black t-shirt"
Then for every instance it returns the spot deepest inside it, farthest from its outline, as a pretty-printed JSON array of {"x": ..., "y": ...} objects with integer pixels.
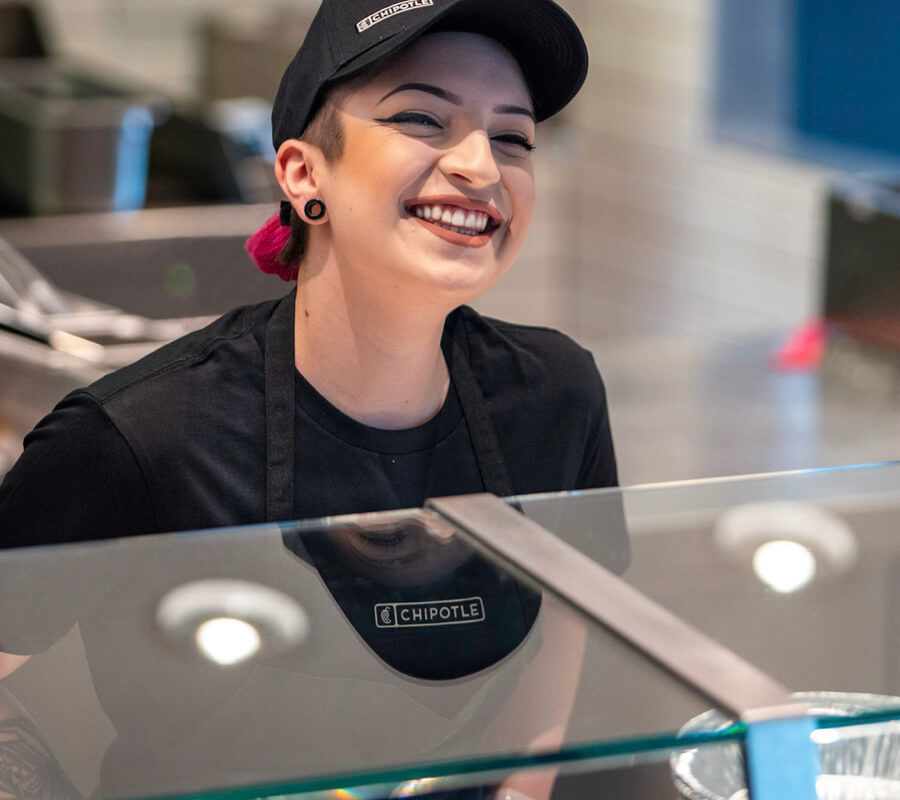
[{"x": 177, "y": 441}]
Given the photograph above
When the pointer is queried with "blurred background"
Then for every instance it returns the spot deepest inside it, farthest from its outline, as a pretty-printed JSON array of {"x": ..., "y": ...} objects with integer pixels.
[{"x": 717, "y": 218}]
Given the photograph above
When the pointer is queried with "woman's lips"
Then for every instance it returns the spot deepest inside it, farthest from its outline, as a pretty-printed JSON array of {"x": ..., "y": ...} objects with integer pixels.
[
  {"x": 461, "y": 221},
  {"x": 463, "y": 239}
]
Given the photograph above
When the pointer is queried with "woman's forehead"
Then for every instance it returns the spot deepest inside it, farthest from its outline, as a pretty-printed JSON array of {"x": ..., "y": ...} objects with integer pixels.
[{"x": 456, "y": 58}]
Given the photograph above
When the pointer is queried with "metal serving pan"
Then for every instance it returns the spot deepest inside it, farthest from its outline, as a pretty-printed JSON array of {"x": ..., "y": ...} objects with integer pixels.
[
  {"x": 71, "y": 142},
  {"x": 53, "y": 341}
]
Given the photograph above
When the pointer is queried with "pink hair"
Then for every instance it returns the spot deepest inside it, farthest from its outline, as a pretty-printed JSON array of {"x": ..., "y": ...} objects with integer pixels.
[{"x": 265, "y": 245}]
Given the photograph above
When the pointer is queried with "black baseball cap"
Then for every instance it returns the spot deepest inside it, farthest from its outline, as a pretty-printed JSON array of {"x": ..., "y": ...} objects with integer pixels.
[{"x": 347, "y": 36}]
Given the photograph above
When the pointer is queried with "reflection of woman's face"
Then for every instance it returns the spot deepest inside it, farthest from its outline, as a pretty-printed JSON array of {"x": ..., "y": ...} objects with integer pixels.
[
  {"x": 405, "y": 554},
  {"x": 435, "y": 188}
]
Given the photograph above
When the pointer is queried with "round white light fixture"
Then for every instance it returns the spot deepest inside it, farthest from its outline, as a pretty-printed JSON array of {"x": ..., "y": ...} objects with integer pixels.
[
  {"x": 232, "y": 621},
  {"x": 227, "y": 641},
  {"x": 788, "y": 544},
  {"x": 784, "y": 565}
]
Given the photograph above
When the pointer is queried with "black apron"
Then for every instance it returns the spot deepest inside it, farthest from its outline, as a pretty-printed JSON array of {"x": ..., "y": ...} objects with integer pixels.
[
  {"x": 280, "y": 416},
  {"x": 281, "y": 413}
]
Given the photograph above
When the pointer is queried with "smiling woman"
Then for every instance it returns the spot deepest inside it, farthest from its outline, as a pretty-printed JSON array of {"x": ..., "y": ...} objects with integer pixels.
[
  {"x": 447, "y": 142},
  {"x": 405, "y": 138}
]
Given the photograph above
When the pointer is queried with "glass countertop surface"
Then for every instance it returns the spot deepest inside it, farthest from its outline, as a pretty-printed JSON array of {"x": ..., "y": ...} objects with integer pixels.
[
  {"x": 381, "y": 649},
  {"x": 798, "y": 573},
  {"x": 291, "y": 658}
]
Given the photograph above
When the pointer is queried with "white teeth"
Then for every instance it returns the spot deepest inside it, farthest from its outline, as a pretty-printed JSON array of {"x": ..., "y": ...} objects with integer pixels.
[{"x": 456, "y": 219}]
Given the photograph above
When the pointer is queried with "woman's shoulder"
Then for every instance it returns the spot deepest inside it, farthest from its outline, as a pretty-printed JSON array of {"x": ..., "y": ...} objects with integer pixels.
[
  {"x": 504, "y": 351},
  {"x": 233, "y": 341},
  {"x": 545, "y": 396}
]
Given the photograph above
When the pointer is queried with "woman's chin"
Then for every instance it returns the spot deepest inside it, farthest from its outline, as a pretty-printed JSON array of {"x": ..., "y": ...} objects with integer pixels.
[
  {"x": 459, "y": 282},
  {"x": 436, "y": 273}
]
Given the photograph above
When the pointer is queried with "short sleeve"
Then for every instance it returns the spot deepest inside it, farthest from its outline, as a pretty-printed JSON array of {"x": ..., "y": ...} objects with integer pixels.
[
  {"x": 77, "y": 480},
  {"x": 598, "y": 468}
]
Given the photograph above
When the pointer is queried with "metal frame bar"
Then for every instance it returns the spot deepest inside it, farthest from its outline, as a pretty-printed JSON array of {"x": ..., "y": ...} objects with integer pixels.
[{"x": 776, "y": 721}]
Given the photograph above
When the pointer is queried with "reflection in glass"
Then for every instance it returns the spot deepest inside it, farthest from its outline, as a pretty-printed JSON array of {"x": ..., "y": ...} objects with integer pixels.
[
  {"x": 784, "y": 565},
  {"x": 369, "y": 698},
  {"x": 383, "y": 640},
  {"x": 788, "y": 543},
  {"x": 226, "y": 641},
  {"x": 231, "y": 621},
  {"x": 419, "y": 597}
]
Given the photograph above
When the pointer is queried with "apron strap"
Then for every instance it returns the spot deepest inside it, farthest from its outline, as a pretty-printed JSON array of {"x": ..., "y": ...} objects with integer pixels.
[
  {"x": 281, "y": 414},
  {"x": 280, "y": 411},
  {"x": 488, "y": 454}
]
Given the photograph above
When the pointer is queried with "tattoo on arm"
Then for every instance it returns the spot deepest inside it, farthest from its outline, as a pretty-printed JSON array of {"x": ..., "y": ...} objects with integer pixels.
[{"x": 28, "y": 768}]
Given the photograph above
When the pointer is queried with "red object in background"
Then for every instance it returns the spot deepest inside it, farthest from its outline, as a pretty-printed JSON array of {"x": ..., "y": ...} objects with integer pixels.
[{"x": 803, "y": 350}]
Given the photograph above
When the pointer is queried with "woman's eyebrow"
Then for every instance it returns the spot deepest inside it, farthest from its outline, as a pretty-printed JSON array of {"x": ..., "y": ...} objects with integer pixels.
[
  {"x": 425, "y": 87},
  {"x": 455, "y": 99},
  {"x": 515, "y": 110}
]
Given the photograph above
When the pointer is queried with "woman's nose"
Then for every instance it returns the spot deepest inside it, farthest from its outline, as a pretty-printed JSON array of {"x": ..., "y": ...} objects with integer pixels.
[{"x": 472, "y": 160}]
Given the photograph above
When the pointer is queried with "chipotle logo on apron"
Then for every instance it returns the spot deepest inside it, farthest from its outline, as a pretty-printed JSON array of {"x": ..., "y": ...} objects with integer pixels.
[{"x": 439, "y": 612}]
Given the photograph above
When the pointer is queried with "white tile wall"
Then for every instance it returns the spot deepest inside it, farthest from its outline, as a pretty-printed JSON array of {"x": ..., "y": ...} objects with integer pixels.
[{"x": 678, "y": 233}]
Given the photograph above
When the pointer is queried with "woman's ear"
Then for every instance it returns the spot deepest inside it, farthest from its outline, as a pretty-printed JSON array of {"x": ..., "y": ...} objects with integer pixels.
[{"x": 298, "y": 166}]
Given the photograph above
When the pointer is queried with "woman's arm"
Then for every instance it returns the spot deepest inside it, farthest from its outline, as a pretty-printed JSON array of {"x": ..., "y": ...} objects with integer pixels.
[
  {"x": 76, "y": 480},
  {"x": 540, "y": 707},
  {"x": 28, "y": 768}
]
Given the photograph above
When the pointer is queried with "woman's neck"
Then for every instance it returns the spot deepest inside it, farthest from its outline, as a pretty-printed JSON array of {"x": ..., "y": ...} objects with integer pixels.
[{"x": 382, "y": 366}]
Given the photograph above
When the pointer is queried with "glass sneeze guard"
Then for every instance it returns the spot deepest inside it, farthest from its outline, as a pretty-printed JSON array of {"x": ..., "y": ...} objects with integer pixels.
[
  {"x": 377, "y": 651},
  {"x": 794, "y": 572},
  {"x": 798, "y": 573},
  {"x": 358, "y": 652}
]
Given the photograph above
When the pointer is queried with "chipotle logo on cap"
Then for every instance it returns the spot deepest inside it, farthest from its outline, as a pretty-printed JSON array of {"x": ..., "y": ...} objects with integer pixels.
[{"x": 391, "y": 11}]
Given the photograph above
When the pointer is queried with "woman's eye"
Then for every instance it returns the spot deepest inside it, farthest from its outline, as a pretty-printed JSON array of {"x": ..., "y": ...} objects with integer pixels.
[
  {"x": 412, "y": 118},
  {"x": 516, "y": 139}
]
